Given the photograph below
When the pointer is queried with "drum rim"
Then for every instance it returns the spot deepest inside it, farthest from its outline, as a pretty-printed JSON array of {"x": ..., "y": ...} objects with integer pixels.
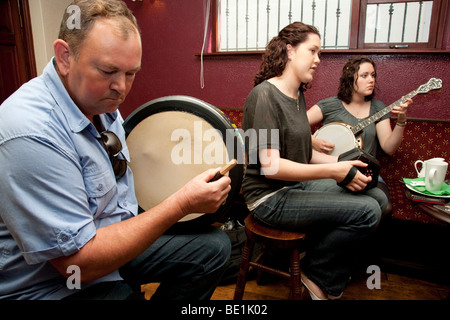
[
  {"x": 144, "y": 110},
  {"x": 214, "y": 117}
]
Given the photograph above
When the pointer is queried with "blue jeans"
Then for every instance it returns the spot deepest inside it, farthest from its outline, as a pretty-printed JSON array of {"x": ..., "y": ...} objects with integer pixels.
[
  {"x": 335, "y": 220},
  {"x": 188, "y": 267}
]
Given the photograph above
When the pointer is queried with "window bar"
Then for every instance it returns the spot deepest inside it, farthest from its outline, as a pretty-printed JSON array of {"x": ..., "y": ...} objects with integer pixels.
[
  {"x": 290, "y": 12},
  {"x": 279, "y": 14},
  {"x": 376, "y": 24},
  {"x": 227, "y": 13},
  {"x": 313, "y": 11},
  {"x": 404, "y": 21},
  {"x": 257, "y": 25},
  {"x": 325, "y": 24},
  {"x": 301, "y": 15},
  {"x": 247, "y": 18},
  {"x": 268, "y": 14},
  {"x": 419, "y": 22},
  {"x": 237, "y": 25},
  {"x": 391, "y": 12},
  {"x": 338, "y": 17}
]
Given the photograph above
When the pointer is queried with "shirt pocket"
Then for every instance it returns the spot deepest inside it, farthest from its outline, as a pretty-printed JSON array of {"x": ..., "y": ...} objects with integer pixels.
[{"x": 98, "y": 184}]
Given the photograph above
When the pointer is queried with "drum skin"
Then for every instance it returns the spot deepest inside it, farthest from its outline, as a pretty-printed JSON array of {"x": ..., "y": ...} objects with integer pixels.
[{"x": 171, "y": 140}]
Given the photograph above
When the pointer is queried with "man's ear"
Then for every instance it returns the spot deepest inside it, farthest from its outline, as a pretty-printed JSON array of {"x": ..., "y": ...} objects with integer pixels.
[{"x": 62, "y": 56}]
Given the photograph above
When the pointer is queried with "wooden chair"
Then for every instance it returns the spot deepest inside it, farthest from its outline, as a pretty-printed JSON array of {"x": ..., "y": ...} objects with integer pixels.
[{"x": 270, "y": 237}]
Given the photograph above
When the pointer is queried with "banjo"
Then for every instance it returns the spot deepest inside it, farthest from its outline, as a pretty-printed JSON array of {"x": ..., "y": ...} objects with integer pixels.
[{"x": 346, "y": 137}]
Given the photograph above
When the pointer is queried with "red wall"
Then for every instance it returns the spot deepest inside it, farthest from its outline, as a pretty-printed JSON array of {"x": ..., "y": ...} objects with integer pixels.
[{"x": 172, "y": 33}]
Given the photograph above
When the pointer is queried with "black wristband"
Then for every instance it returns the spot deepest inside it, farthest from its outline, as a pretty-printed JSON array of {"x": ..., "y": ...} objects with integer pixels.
[{"x": 348, "y": 178}]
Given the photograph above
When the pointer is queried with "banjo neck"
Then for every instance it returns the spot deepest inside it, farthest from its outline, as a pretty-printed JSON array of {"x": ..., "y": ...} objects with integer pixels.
[
  {"x": 345, "y": 137},
  {"x": 360, "y": 126}
]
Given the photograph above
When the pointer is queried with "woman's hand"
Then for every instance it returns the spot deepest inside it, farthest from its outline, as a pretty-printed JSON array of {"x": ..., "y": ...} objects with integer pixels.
[
  {"x": 322, "y": 145},
  {"x": 360, "y": 181},
  {"x": 401, "y": 110}
]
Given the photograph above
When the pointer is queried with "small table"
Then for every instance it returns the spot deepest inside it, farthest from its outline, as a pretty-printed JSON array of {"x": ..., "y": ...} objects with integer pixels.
[{"x": 430, "y": 209}]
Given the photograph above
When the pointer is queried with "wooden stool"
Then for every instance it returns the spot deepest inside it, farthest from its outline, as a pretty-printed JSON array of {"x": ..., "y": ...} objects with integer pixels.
[{"x": 282, "y": 239}]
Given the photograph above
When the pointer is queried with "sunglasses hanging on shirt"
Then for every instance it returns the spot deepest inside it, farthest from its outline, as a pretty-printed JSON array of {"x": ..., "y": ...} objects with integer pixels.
[{"x": 113, "y": 147}]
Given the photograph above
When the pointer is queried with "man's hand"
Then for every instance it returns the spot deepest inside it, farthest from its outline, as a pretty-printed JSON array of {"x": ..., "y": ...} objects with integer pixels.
[{"x": 201, "y": 196}]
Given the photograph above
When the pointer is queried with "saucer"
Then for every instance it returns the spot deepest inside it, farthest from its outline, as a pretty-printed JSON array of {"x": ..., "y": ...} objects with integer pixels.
[{"x": 443, "y": 196}]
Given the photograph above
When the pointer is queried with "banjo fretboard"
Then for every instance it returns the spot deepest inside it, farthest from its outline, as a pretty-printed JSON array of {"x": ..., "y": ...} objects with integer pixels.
[
  {"x": 432, "y": 84},
  {"x": 360, "y": 126}
]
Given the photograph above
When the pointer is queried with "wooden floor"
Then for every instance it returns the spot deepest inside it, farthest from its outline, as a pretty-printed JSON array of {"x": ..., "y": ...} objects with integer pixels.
[{"x": 392, "y": 287}]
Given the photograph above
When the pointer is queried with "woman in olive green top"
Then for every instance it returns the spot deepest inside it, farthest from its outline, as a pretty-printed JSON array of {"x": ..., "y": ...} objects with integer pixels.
[{"x": 288, "y": 184}]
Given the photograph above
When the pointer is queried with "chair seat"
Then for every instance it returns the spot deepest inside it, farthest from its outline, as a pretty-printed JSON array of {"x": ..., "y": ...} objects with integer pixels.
[{"x": 264, "y": 231}]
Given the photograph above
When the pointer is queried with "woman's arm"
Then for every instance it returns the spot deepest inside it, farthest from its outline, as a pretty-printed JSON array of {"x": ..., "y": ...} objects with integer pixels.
[
  {"x": 315, "y": 115},
  {"x": 274, "y": 167},
  {"x": 320, "y": 157},
  {"x": 390, "y": 139}
]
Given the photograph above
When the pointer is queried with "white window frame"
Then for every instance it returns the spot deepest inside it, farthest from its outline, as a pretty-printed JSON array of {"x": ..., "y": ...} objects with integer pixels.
[{"x": 357, "y": 21}]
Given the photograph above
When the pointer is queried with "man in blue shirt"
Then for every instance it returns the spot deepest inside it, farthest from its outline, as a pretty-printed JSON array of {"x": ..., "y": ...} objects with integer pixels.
[{"x": 67, "y": 198}]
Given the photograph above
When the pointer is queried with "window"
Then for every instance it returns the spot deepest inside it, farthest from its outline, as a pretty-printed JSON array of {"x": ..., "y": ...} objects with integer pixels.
[
  {"x": 399, "y": 24},
  {"x": 248, "y": 25}
]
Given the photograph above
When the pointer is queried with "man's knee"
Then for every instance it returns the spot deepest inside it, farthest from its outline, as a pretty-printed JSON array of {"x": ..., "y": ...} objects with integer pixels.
[{"x": 220, "y": 246}]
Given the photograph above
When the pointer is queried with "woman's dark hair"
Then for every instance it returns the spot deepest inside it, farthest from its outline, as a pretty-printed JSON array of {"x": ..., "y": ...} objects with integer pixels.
[
  {"x": 350, "y": 75},
  {"x": 275, "y": 56}
]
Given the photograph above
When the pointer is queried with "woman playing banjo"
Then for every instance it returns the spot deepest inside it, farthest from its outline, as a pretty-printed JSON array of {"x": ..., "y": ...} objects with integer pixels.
[
  {"x": 287, "y": 184},
  {"x": 354, "y": 103}
]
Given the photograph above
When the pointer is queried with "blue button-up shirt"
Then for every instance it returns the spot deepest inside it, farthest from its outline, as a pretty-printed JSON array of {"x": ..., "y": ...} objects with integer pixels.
[{"x": 57, "y": 186}]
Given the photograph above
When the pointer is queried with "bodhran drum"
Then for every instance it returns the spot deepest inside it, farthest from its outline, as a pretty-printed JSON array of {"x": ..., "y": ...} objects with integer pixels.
[{"x": 171, "y": 140}]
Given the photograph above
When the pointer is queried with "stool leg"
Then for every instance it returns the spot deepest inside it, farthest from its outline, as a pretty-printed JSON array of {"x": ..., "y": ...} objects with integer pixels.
[
  {"x": 260, "y": 259},
  {"x": 243, "y": 269},
  {"x": 295, "y": 275}
]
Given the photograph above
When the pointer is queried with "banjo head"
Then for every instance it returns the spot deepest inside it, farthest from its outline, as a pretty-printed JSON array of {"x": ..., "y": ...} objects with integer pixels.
[{"x": 340, "y": 135}]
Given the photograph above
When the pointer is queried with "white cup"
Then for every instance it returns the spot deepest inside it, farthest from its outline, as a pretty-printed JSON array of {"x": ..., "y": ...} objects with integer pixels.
[
  {"x": 421, "y": 173},
  {"x": 435, "y": 172}
]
